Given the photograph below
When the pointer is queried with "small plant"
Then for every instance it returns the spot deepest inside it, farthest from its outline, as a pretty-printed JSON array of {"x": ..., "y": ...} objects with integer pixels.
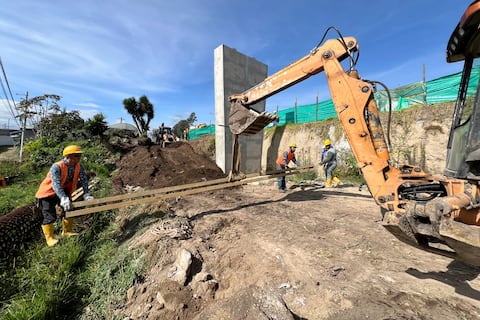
[
  {"x": 347, "y": 168},
  {"x": 304, "y": 176},
  {"x": 210, "y": 147}
]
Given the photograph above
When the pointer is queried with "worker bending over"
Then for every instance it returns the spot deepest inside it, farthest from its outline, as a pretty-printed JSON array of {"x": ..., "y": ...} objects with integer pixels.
[
  {"x": 282, "y": 163},
  {"x": 57, "y": 188}
]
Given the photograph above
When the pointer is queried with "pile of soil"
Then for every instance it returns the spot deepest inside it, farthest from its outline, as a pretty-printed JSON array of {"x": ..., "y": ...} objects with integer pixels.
[{"x": 156, "y": 167}]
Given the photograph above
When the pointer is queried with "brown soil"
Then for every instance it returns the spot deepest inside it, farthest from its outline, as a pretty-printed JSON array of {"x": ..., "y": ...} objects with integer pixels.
[
  {"x": 157, "y": 167},
  {"x": 254, "y": 253}
]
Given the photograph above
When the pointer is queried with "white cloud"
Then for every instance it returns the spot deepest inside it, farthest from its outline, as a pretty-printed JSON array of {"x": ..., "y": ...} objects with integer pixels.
[{"x": 94, "y": 54}]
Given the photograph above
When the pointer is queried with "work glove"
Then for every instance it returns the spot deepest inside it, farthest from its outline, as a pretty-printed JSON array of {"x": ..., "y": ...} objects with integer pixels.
[
  {"x": 65, "y": 203},
  {"x": 87, "y": 197}
]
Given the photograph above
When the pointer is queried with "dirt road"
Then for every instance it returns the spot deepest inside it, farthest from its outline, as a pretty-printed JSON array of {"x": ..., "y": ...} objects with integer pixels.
[{"x": 310, "y": 254}]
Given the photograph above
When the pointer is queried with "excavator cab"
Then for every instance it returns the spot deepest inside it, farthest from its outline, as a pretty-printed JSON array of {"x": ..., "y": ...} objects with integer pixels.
[{"x": 463, "y": 149}]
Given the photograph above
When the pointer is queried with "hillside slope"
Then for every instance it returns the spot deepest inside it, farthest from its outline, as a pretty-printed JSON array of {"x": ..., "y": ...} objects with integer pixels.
[{"x": 418, "y": 136}]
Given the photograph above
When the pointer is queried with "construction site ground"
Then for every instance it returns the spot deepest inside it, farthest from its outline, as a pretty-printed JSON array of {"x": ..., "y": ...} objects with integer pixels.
[{"x": 255, "y": 253}]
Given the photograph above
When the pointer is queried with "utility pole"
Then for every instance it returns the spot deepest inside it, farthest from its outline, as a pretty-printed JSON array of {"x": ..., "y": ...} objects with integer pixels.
[
  {"x": 424, "y": 85},
  {"x": 296, "y": 117},
  {"x": 23, "y": 120}
]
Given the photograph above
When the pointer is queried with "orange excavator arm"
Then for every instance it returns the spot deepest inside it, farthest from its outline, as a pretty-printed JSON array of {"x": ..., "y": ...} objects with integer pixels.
[
  {"x": 355, "y": 106},
  {"x": 439, "y": 214}
]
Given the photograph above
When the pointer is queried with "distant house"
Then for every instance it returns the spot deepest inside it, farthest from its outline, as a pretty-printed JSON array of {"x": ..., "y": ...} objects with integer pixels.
[
  {"x": 10, "y": 137},
  {"x": 5, "y": 138},
  {"x": 124, "y": 127}
]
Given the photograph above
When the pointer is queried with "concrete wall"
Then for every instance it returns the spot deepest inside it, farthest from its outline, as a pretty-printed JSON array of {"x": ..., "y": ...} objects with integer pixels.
[{"x": 234, "y": 73}]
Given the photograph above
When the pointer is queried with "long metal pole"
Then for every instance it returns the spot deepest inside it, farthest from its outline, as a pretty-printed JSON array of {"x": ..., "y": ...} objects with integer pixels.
[{"x": 24, "y": 123}]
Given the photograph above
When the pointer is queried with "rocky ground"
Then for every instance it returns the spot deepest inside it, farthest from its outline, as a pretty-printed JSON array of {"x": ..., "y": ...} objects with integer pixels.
[{"x": 254, "y": 253}]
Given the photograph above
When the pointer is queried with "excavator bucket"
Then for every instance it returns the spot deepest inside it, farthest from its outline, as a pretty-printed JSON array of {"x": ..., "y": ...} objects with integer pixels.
[{"x": 246, "y": 121}]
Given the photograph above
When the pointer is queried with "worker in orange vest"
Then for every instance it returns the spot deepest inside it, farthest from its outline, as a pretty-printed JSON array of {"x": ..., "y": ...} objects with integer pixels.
[
  {"x": 57, "y": 188},
  {"x": 282, "y": 163}
]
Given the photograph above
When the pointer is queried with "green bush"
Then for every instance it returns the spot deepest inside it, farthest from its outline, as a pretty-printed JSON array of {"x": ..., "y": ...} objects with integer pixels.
[
  {"x": 347, "y": 168},
  {"x": 303, "y": 176}
]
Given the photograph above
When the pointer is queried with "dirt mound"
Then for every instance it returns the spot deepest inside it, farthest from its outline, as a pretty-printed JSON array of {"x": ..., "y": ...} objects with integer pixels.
[
  {"x": 204, "y": 145},
  {"x": 157, "y": 167},
  {"x": 255, "y": 253}
]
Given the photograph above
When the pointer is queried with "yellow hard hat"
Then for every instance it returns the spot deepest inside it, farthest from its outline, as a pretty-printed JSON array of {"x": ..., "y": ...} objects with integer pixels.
[
  {"x": 292, "y": 144},
  {"x": 327, "y": 143},
  {"x": 73, "y": 149}
]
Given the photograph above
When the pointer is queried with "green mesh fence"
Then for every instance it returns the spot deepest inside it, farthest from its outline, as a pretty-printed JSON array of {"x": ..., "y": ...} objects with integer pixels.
[
  {"x": 444, "y": 89},
  {"x": 307, "y": 113},
  {"x": 198, "y": 132},
  {"x": 440, "y": 90}
]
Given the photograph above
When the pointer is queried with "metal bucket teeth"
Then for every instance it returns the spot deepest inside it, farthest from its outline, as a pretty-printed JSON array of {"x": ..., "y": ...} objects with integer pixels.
[{"x": 245, "y": 121}]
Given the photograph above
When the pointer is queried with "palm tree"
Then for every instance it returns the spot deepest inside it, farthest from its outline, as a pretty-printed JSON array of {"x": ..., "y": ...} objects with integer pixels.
[
  {"x": 97, "y": 126},
  {"x": 141, "y": 111}
]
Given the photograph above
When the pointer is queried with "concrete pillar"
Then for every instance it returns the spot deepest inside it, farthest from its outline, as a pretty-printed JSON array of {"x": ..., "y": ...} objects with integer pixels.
[{"x": 234, "y": 73}]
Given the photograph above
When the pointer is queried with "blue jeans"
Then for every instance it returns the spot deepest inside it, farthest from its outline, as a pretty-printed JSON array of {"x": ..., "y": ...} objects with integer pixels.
[
  {"x": 331, "y": 166},
  {"x": 281, "y": 182}
]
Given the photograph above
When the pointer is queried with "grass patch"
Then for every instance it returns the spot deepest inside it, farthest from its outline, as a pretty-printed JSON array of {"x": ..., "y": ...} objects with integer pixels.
[
  {"x": 83, "y": 277},
  {"x": 303, "y": 176},
  {"x": 109, "y": 275}
]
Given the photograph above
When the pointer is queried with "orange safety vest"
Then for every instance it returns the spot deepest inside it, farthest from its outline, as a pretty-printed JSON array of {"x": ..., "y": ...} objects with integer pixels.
[
  {"x": 290, "y": 156},
  {"x": 46, "y": 188}
]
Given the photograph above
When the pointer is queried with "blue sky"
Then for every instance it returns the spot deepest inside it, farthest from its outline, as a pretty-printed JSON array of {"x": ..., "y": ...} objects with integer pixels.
[{"x": 96, "y": 53}]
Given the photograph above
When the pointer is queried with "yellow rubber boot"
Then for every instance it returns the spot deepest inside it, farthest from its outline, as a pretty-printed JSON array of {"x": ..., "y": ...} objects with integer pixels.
[
  {"x": 67, "y": 227},
  {"x": 336, "y": 181},
  {"x": 329, "y": 182},
  {"x": 49, "y": 232}
]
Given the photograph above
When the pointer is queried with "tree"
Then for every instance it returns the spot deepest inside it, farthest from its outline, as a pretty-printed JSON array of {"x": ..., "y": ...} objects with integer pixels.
[
  {"x": 63, "y": 126},
  {"x": 141, "y": 111},
  {"x": 97, "y": 125},
  {"x": 38, "y": 108},
  {"x": 35, "y": 110},
  {"x": 184, "y": 124}
]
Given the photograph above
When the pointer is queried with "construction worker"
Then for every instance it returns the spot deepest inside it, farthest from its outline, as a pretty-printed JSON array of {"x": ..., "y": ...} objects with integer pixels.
[
  {"x": 329, "y": 162},
  {"x": 57, "y": 188},
  {"x": 282, "y": 163}
]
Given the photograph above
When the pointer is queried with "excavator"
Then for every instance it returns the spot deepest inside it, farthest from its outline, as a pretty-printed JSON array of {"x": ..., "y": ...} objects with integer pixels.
[{"x": 435, "y": 213}]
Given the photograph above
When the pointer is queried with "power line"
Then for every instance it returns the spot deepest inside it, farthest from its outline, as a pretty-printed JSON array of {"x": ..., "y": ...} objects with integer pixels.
[{"x": 12, "y": 110}]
